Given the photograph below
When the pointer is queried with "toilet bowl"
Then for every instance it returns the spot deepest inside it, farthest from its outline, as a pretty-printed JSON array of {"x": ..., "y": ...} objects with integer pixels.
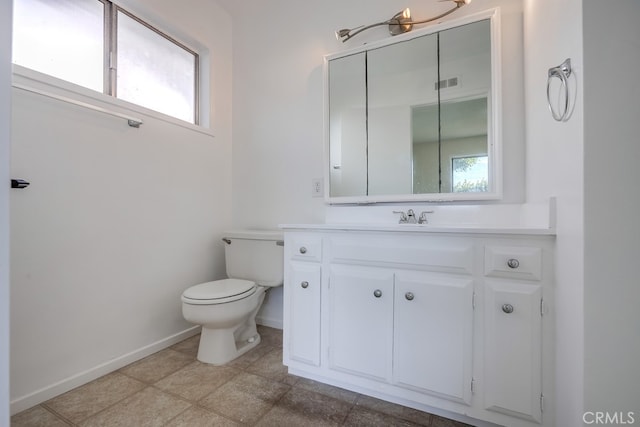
[{"x": 227, "y": 308}]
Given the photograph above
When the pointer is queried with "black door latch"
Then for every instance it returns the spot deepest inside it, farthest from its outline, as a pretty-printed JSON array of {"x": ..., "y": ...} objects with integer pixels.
[{"x": 19, "y": 183}]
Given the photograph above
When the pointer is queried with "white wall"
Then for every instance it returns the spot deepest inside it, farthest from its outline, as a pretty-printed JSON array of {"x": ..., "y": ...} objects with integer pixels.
[
  {"x": 278, "y": 100},
  {"x": 553, "y": 32},
  {"x": 5, "y": 124},
  {"x": 612, "y": 203},
  {"x": 278, "y": 96},
  {"x": 117, "y": 222}
]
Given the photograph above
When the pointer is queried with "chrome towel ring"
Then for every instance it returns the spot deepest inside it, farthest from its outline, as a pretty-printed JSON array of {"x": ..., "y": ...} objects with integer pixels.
[{"x": 562, "y": 71}]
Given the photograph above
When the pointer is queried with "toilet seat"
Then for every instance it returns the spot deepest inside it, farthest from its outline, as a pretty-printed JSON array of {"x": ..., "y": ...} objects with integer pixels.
[{"x": 219, "y": 292}]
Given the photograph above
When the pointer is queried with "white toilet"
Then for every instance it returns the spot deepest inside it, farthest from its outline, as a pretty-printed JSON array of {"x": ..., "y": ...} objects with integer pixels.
[{"x": 227, "y": 308}]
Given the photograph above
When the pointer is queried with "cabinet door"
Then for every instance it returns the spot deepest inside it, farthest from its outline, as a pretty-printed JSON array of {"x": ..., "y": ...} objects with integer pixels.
[
  {"x": 513, "y": 333},
  {"x": 361, "y": 320},
  {"x": 303, "y": 309},
  {"x": 433, "y": 333}
]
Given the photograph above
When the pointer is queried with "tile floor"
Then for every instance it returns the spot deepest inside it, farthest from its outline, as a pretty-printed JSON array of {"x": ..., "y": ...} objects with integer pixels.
[{"x": 171, "y": 388}]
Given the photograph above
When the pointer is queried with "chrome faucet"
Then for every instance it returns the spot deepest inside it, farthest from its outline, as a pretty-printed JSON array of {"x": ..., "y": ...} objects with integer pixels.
[
  {"x": 423, "y": 217},
  {"x": 407, "y": 218}
]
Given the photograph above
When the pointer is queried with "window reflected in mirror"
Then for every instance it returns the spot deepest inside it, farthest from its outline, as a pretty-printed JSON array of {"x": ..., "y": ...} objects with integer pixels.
[
  {"x": 442, "y": 136},
  {"x": 469, "y": 174}
]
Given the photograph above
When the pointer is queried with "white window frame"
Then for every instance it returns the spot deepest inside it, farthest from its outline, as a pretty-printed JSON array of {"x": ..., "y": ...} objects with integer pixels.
[{"x": 25, "y": 77}]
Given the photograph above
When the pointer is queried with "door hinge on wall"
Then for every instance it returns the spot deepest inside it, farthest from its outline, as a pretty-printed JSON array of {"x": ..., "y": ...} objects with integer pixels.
[
  {"x": 473, "y": 385},
  {"x": 542, "y": 307},
  {"x": 542, "y": 403},
  {"x": 473, "y": 301}
]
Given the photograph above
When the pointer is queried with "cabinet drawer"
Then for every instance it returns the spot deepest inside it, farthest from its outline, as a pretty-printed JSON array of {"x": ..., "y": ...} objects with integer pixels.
[
  {"x": 516, "y": 262},
  {"x": 436, "y": 254},
  {"x": 304, "y": 247}
]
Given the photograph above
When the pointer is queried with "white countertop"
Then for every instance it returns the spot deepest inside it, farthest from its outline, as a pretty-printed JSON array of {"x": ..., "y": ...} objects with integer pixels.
[{"x": 422, "y": 228}]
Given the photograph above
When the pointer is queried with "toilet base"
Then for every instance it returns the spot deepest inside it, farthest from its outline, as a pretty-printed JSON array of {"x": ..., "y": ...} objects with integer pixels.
[{"x": 219, "y": 346}]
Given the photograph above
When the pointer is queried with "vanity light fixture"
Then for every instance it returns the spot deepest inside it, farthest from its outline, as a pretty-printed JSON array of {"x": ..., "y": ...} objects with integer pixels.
[{"x": 400, "y": 23}]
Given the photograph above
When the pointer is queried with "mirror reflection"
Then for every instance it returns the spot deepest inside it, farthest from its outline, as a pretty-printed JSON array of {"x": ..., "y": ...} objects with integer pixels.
[
  {"x": 412, "y": 117},
  {"x": 453, "y": 158}
]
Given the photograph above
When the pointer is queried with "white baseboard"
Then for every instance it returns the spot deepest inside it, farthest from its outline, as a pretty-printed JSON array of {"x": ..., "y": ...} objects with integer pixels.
[
  {"x": 53, "y": 390},
  {"x": 270, "y": 322}
]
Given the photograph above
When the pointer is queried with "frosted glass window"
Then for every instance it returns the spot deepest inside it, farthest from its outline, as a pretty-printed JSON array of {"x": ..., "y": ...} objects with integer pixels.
[
  {"x": 62, "y": 38},
  {"x": 154, "y": 71}
]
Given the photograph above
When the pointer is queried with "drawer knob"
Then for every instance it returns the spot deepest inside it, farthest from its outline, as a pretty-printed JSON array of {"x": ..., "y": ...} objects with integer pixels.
[
  {"x": 304, "y": 284},
  {"x": 507, "y": 308},
  {"x": 513, "y": 263},
  {"x": 409, "y": 296},
  {"x": 377, "y": 293},
  {"x": 303, "y": 250}
]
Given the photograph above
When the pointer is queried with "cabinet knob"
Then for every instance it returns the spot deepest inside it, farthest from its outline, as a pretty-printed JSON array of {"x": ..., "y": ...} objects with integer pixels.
[
  {"x": 377, "y": 293},
  {"x": 409, "y": 296},
  {"x": 303, "y": 250},
  {"x": 507, "y": 308},
  {"x": 304, "y": 284},
  {"x": 513, "y": 263}
]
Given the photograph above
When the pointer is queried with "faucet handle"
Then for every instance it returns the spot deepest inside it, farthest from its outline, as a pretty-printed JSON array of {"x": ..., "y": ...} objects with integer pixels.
[
  {"x": 423, "y": 217},
  {"x": 411, "y": 216},
  {"x": 403, "y": 216}
]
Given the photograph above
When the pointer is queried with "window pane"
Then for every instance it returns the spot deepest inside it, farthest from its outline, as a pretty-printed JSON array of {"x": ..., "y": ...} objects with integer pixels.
[
  {"x": 62, "y": 38},
  {"x": 153, "y": 71},
  {"x": 470, "y": 174}
]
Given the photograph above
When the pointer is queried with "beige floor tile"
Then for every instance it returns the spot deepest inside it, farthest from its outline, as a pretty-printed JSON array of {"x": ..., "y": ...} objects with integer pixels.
[
  {"x": 315, "y": 407},
  {"x": 198, "y": 417},
  {"x": 398, "y": 411},
  {"x": 196, "y": 380},
  {"x": 327, "y": 390},
  {"x": 245, "y": 398},
  {"x": 362, "y": 417},
  {"x": 250, "y": 357},
  {"x": 445, "y": 422},
  {"x": 270, "y": 336},
  {"x": 270, "y": 366},
  {"x": 254, "y": 388},
  {"x": 188, "y": 346},
  {"x": 147, "y": 408},
  {"x": 157, "y": 366},
  {"x": 82, "y": 402},
  {"x": 37, "y": 417},
  {"x": 280, "y": 416}
]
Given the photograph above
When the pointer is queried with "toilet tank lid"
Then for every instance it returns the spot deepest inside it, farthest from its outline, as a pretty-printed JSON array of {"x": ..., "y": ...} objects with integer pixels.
[{"x": 255, "y": 234}]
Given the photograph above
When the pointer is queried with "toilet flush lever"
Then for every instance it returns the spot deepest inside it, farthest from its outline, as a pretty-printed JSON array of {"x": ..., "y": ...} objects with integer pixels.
[{"x": 226, "y": 240}]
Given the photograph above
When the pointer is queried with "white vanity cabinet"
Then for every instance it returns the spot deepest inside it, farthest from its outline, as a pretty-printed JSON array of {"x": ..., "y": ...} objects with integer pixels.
[
  {"x": 514, "y": 307},
  {"x": 433, "y": 334},
  {"x": 302, "y": 312},
  {"x": 452, "y": 323},
  {"x": 513, "y": 349},
  {"x": 360, "y": 321}
]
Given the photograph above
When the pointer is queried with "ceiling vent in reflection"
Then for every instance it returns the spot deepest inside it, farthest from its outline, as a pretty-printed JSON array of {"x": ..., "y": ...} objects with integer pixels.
[{"x": 443, "y": 84}]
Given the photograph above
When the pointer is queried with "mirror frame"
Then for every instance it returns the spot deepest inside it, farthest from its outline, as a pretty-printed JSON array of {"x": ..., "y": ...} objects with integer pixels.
[{"x": 494, "y": 123}]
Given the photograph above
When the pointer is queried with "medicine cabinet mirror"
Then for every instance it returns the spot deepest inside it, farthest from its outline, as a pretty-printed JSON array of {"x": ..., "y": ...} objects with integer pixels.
[{"x": 415, "y": 117}]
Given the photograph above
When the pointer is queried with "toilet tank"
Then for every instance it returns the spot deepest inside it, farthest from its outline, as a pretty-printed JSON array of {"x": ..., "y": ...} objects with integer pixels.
[{"x": 256, "y": 255}]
